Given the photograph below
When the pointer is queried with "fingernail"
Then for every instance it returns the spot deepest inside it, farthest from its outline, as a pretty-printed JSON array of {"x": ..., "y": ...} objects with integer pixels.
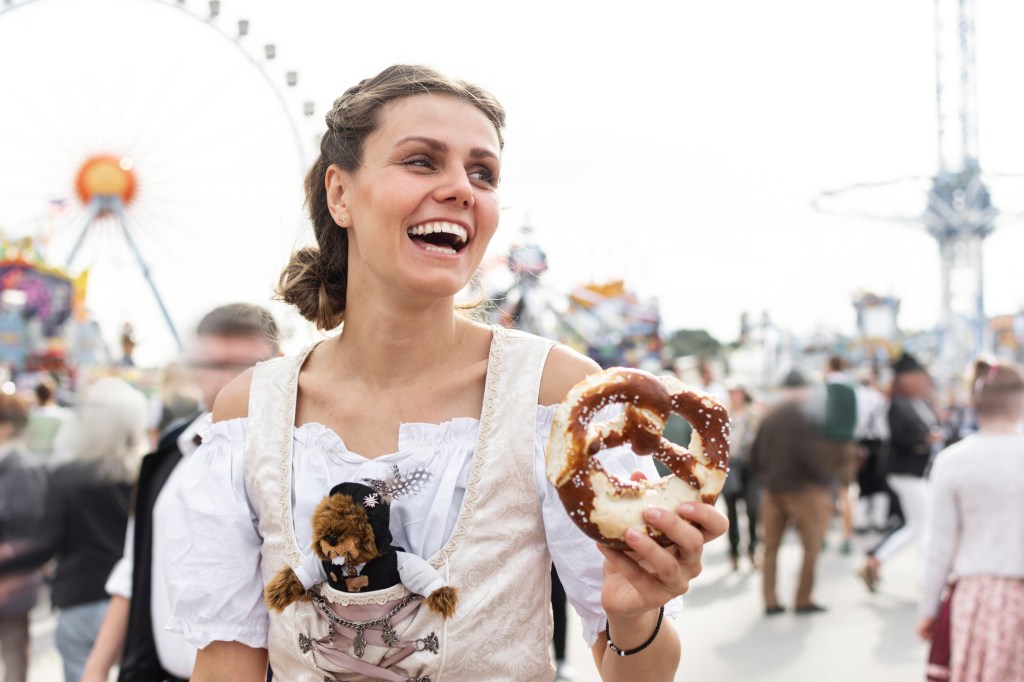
[
  {"x": 632, "y": 535},
  {"x": 652, "y": 513},
  {"x": 686, "y": 508}
]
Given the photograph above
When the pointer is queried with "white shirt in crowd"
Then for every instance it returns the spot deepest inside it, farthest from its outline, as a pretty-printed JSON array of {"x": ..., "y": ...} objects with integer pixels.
[
  {"x": 976, "y": 513},
  {"x": 176, "y": 655}
]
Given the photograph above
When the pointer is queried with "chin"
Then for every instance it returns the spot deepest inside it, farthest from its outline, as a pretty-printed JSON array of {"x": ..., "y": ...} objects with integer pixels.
[{"x": 438, "y": 287}]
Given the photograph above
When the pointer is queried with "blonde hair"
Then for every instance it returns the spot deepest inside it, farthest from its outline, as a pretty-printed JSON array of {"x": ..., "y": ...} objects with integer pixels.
[
  {"x": 109, "y": 430},
  {"x": 316, "y": 278}
]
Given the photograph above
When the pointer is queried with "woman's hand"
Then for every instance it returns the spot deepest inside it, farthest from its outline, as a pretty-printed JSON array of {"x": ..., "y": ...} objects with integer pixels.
[
  {"x": 924, "y": 628},
  {"x": 650, "y": 575}
]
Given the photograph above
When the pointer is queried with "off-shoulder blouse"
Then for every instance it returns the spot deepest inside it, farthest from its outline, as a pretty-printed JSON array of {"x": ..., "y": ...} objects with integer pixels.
[{"x": 213, "y": 553}]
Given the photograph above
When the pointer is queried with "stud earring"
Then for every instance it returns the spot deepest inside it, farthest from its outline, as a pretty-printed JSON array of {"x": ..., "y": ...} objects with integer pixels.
[{"x": 342, "y": 218}]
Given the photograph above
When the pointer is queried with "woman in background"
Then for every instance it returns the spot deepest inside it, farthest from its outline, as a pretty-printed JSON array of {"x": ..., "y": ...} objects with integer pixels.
[
  {"x": 22, "y": 487},
  {"x": 86, "y": 514},
  {"x": 914, "y": 434},
  {"x": 741, "y": 484},
  {"x": 976, "y": 541}
]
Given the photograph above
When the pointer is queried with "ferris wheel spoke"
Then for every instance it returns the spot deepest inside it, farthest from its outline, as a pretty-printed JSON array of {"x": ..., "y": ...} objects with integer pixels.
[
  {"x": 214, "y": 92},
  {"x": 196, "y": 141}
]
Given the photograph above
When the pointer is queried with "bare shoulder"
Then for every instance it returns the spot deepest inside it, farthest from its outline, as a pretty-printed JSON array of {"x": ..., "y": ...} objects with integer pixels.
[
  {"x": 564, "y": 369},
  {"x": 233, "y": 400}
]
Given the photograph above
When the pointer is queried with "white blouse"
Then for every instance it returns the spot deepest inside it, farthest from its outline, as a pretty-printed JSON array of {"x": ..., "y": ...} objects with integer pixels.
[
  {"x": 213, "y": 553},
  {"x": 975, "y": 515}
]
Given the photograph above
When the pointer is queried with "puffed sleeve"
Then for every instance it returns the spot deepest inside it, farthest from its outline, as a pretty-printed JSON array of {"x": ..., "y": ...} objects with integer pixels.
[
  {"x": 580, "y": 566},
  {"x": 120, "y": 580},
  {"x": 213, "y": 547}
]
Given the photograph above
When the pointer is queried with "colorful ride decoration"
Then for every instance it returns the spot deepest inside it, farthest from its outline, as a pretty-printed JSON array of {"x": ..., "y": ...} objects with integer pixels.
[
  {"x": 37, "y": 302},
  {"x": 613, "y": 326}
]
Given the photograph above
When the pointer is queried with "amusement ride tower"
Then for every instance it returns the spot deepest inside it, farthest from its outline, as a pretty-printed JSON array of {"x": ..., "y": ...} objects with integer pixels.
[{"x": 958, "y": 212}]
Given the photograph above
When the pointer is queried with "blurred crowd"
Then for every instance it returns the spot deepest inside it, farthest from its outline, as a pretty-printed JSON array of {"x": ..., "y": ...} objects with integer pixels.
[
  {"x": 869, "y": 450},
  {"x": 874, "y": 451},
  {"x": 83, "y": 508}
]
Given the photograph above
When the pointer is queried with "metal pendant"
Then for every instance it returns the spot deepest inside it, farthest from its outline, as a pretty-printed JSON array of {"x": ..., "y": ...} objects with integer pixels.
[
  {"x": 359, "y": 647},
  {"x": 428, "y": 643},
  {"x": 389, "y": 634}
]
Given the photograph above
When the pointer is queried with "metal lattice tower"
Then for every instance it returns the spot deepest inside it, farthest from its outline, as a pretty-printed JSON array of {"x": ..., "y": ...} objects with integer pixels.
[{"x": 959, "y": 212}]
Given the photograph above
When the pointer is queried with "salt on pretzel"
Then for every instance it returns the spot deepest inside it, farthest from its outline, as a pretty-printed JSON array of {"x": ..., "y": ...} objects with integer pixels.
[{"x": 603, "y": 505}]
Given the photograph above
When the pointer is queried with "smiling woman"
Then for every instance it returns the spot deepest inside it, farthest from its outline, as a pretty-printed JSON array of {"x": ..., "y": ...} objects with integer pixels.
[
  {"x": 316, "y": 279},
  {"x": 446, "y": 421}
]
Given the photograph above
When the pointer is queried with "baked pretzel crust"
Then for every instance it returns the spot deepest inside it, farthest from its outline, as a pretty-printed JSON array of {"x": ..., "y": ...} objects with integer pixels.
[{"x": 605, "y": 506}]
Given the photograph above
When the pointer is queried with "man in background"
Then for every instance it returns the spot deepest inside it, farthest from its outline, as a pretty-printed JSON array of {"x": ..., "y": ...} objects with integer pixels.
[
  {"x": 229, "y": 340},
  {"x": 45, "y": 420},
  {"x": 839, "y": 440},
  {"x": 795, "y": 477}
]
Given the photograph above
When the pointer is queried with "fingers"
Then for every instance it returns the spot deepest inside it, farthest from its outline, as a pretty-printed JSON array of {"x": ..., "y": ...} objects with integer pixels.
[
  {"x": 668, "y": 573},
  {"x": 708, "y": 520},
  {"x": 631, "y": 571},
  {"x": 692, "y": 525}
]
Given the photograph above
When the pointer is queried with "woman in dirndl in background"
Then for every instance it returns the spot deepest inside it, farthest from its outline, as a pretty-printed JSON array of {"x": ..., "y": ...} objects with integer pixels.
[{"x": 973, "y": 604}]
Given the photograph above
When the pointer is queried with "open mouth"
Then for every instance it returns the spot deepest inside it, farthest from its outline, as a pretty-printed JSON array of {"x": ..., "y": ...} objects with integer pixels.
[{"x": 440, "y": 237}]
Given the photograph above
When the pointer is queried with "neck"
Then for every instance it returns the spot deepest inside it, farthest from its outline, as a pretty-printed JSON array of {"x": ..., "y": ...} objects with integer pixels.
[
  {"x": 998, "y": 427},
  {"x": 383, "y": 344}
]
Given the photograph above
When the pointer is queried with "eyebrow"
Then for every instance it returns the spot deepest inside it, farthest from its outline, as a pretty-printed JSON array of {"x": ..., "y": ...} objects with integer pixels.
[{"x": 442, "y": 148}]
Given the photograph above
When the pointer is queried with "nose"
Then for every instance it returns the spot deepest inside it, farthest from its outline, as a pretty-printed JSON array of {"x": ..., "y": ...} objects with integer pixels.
[{"x": 456, "y": 189}]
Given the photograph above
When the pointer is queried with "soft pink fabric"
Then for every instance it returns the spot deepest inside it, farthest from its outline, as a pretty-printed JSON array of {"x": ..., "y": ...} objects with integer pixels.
[{"x": 987, "y": 630}]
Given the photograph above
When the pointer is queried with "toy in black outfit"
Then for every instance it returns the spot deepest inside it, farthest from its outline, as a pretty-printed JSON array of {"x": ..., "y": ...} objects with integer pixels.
[{"x": 352, "y": 552}]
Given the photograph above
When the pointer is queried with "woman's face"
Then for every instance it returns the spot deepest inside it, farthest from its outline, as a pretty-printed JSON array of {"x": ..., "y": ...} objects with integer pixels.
[{"x": 423, "y": 205}]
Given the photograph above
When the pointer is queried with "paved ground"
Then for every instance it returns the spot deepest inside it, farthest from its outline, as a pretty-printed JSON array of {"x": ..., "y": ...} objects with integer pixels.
[{"x": 725, "y": 637}]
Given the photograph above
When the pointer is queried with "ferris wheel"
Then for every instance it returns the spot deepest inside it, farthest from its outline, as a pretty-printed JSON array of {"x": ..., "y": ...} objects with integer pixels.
[{"x": 158, "y": 145}]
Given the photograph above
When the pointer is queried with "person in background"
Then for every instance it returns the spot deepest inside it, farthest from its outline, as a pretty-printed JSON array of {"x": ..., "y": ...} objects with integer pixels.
[
  {"x": 708, "y": 384},
  {"x": 914, "y": 433},
  {"x": 975, "y": 542},
  {"x": 961, "y": 420},
  {"x": 178, "y": 397},
  {"x": 872, "y": 510},
  {"x": 838, "y": 444},
  {"x": 45, "y": 420},
  {"x": 786, "y": 458},
  {"x": 741, "y": 484},
  {"x": 22, "y": 489},
  {"x": 229, "y": 339},
  {"x": 559, "y": 610},
  {"x": 86, "y": 512}
]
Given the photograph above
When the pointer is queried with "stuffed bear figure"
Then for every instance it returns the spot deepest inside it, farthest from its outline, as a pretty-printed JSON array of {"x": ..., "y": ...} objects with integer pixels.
[{"x": 352, "y": 552}]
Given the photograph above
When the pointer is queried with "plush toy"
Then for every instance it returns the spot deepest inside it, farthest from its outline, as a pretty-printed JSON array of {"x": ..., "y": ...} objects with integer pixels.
[{"x": 352, "y": 552}]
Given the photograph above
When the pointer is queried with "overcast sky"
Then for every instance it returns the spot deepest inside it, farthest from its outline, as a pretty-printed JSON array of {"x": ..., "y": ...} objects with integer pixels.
[{"x": 678, "y": 145}]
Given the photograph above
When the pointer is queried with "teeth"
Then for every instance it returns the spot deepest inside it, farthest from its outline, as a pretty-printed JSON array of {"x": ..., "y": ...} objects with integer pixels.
[
  {"x": 431, "y": 228},
  {"x": 440, "y": 249}
]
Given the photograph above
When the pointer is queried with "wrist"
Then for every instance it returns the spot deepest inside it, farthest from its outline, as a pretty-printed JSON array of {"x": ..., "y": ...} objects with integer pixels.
[{"x": 631, "y": 631}]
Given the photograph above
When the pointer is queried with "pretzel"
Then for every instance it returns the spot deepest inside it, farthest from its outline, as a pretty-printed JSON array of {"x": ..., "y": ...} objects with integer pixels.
[{"x": 605, "y": 506}]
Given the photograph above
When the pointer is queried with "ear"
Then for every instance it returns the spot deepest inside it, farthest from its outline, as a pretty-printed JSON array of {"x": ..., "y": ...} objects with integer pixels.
[{"x": 338, "y": 183}]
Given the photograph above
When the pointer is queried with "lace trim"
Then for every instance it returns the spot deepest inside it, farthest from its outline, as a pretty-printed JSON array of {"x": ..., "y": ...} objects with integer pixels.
[
  {"x": 483, "y": 445},
  {"x": 469, "y": 502}
]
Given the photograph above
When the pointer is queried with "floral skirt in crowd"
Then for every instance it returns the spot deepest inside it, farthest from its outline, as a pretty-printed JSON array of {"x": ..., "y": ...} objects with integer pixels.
[{"x": 987, "y": 630}]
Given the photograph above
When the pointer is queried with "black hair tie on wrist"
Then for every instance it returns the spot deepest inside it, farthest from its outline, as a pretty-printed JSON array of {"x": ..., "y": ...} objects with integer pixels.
[{"x": 650, "y": 640}]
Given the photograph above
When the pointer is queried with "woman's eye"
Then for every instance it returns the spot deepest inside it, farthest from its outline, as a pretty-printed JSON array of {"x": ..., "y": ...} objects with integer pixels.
[
  {"x": 484, "y": 175},
  {"x": 419, "y": 162}
]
